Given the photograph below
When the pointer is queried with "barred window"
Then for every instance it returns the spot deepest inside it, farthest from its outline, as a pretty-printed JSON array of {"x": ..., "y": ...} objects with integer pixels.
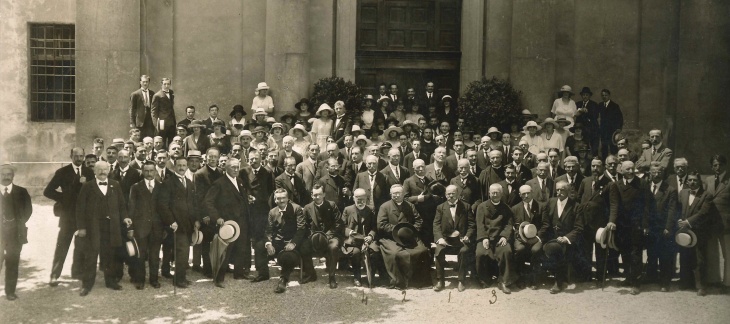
[{"x": 52, "y": 72}]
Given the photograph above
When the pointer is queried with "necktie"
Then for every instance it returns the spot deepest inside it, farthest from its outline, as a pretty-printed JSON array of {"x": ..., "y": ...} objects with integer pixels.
[
  {"x": 463, "y": 181},
  {"x": 452, "y": 205},
  {"x": 255, "y": 172},
  {"x": 291, "y": 178},
  {"x": 146, "y": 98},
  {"x": 653, "y": 188},
  {"x": 122, "y": 173},
  {"x": 397, "y": 174},
  {"x": 473, "y": 170},
  {"x": 6, "y": 193},
  {"x": 593, "y": 185},
  {"x": 100, "y": 183},
  {"x": 372, "y": 176},
  {"x": 77, "y": 170},
  {"x": 185, "y": 185},
  {"x": 149, "y": 186},
  {"x": 653, "y": 151},
  {"x": 717, "y": 181},
  {"x": 162, "y": 175}
]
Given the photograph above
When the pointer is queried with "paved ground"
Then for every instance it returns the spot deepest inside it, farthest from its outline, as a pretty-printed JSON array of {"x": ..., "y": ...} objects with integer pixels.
[{"x": 312, "y": 303}]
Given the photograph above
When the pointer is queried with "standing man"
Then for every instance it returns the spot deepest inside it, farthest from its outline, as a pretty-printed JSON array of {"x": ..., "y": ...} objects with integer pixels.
[
  {"x": 308, "y": 168},
  {"x": 213, "y": 118},
  {"x": 542, "y": 185},
  {"x": 140, "y": 108},
  {"x": 15, "y": 210},
  {"x": 413, "y": 155},
  {"x": 292, "y": 182},
  {"x": 661, "y": 247},
  {"x": 438, "y": 170},
  {"x": 587, "y": 114},
  {"x": 455, "y": 220},
  {"x": 510, "y": 186},
  {"x": 572, "y": 175},
  {"x": 430, "y": 97},
  {"x": 629, "y": 217},
  {"x": 657, "y": 153},
  {"x": 204, "y": 178},
  {"x": 336, "y": 189},
  {"x": 467, "y": 185},
  {"x": 262, "y": 188},
  {"x": 288, "y": 143},
  {"x": 360, "y": 219},
  {"x": 492, "y": 174},
  {"x": 697, "y": 210},
  {"x": 718, "y": 187},
  {"x": 178, "y": 210},
  {"x": 417, "y": 192},
  {"x": 227, "y": 199},
  {"x": 189, "y": 117},
  {"x": 101, "y": 219},
  {"x": 342, "y": 124},
  {"x": 394, "y": 173},
  {"x": 373, "y": 182},
  {"x": 323, "y": 216},
  {"x": 69, "y": 179},
  {"x": 610, "y": 119},
  {"x": 163, "y": 112},
  {"x": 679, "y": 178},
  {"x": 147, "y": 226},
  {"x": 594, "y": 200},
  {"x": 125, "y": 174}
]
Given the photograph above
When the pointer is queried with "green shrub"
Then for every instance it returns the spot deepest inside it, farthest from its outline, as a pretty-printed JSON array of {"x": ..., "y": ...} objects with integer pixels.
[
  {"x": 490, "y": 103},
  {"x": 330, "y": 90}
]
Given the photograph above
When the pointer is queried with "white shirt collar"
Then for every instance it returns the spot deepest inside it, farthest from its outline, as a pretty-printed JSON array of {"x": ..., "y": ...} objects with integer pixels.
[{"x": 10, "y": 188}]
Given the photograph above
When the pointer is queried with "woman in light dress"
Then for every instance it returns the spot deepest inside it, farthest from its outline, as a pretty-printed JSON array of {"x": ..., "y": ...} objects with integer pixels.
[
  {"x": 564, "y": 106},
  {"x": 551, "y": 138},
  {"x": 263, "y": 100},
  {"x": 301, "y": 139},
  {"x": 322, "y": 126}
]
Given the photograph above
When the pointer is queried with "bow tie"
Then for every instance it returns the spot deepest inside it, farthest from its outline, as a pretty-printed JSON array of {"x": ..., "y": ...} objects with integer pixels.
[
  {"x": 452, "y": 205},
  {"x": 102, "y": 183}
]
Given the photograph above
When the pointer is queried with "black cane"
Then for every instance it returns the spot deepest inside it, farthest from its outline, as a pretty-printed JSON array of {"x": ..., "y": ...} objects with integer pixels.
[
  {"x": 605, "y": 268},
  {"x": 174, "y": 259}
]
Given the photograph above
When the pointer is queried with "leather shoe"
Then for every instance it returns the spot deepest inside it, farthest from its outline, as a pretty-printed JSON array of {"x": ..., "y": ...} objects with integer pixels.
[
  {"x": 504, "y": 288},
  {"x": 182, "y": 285},
  {"x": 308, "y": 279},
  {"x": 357, "y": 283},
  {"x": 483, "y": 284},
  {"x": 555, "y": 289},
  {"x": 280, "y": 287},
  {"x": 461, "y": 287},
  {"x": 391, "y": 284},
  {"x": 139, "y": 286},
  {"x": 439, "y": 286},
  {"x": 333, "y": 283},
  {"x": 167, "y": 275},
  {"x": 11, "y": 297},
  {"x": 155, "y": 284},
  {"x": 53, "y": 282},
  {"x": 634, "y": 291},
  {"x": 701, "y": 292},
  {"x": 84, "y": 292},
  {"x": 259, "y": 279},
  {"x": 114, "y": 286},
  {"x": 244, "y": 276},
  {"x": 208, "y": 274},
  {"x": 219, "y": 284}
]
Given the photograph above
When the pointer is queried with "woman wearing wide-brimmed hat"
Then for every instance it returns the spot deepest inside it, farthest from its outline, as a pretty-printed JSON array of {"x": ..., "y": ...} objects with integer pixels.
[
  {"x": 369, "y": 115},
  {"x": 277, "y": 133},
  {"x": 576, "y": 141},
  {"x": 262, "y": 99},
  {"x": 301, "y": 139},
  {"x": 219, "y": 138},
  {"x": 533, "y": 140},
  {"x": 322, "y": 126},
  {"x": 564, "y": 106},
  {"x": 197, "y": 140},
  {"x": 391, "y": 135},
  {"x": 550, "y": 138},
  {"x": 261, "y": 136},
  {"x": 304, "y": 113},
  {"x": 447, "y": 112},
  {"x": 237, "y": 122}
]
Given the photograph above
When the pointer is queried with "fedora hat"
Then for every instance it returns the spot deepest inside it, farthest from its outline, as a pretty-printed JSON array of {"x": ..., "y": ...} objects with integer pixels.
[
  {"x": 237, "y": 109},
  {"x": 493, "y": 130},
  {"x": 324, "y": 107},
  {"x": 549, "y": 120},
  {"x": 355, "y": 240},
  {"x": 586, "y": 90},
  {"x": 132, "y": 248},
  {"x": 303, "y": 101},
  {"x": 405, "y": 235},
  {"x": 565, "y": 88},
  {"x": 528, "y": 232},
  {"x": 262, "y": 86},
  {"x": 288, "y": 257},
  {"x": 298, "y": 127},
  {"x": 229, "y": 231},
  {"x": 196, "y": 123},
  {"x": 564, "y": 122},
  {"x": 196, "y": 238},
  {"x": 454, "y": 239},
  {"x": 386, "y": 133},
  {"x": 602, "y": 237},
  {"x": 319, "y": 242},
  {"x": 356, "y": 130},
  {"x": 686, "y": 238},
  {"x": 438, "y": 187},
  {"x": 531, "y": 123}
]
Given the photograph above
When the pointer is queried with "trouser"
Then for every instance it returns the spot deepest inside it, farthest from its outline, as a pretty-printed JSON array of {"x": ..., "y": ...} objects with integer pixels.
[
  {"x": 261, "y": 258},
  {"x": 692, "y": 264},
  {"x": 630, "y": 244},
  {"x": 109, "y": 258},
  {"x": 607, "y": 146},
  {"x": 202, "y": 251},
  {"x": 168, "y": 133},
  {"x": 463, "y": 255},
  {"x": 305, "y": 252},
  {"x": 525, "y": 252},
  {"x": 712, "y": 273},
  {"x": 558, "y": 256},
  {"x": 149, "y": 250},
  {"x": 500, "y": 254},
  {"x": 63, "y": 243},
  {"x": 725, "y": 248},
  {"x": 168, "y": 250},
  {"x": 376, "y": 261},
  {"x": 237, "y": 252},
  {"x": 182, "y": 253},
  {"x": 661, "y": 258},
  {"x": 331, "y": 255},
  {"x": 11, "y": 255}
]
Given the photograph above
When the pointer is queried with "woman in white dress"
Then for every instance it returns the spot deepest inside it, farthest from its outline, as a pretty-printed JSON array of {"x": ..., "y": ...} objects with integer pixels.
[
  {"x": 322, "y": 126},
  {"x": 533, "y": 141},
  {"x": 301, "y": 139},
  {"x": 391, "y": 135},
  {"x": 263, "y": 100},
  {"x": 564, "y": 106},
  {"x": 369, "y": 115},
  {"x": 551, "y": 138}
]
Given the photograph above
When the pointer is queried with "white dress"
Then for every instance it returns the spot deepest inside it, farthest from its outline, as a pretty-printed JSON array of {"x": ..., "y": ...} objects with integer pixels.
[
  {"x": 560, "y": 109},
  {"x": 320, "y": 131},
  {"x": 555, "y": 141},
  {"x": 267, "y": 103}
]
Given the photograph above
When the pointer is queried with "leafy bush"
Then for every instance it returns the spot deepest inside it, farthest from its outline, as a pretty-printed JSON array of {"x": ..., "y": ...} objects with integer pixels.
[
  {"x": 490, "y": 103},
  {"x": 330, "y": 90}
]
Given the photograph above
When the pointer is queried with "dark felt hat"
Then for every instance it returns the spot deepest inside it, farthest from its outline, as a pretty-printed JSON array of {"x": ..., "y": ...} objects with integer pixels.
[
  {"x": 405, "y": 235},
  {"x": 237, "y": 109}
]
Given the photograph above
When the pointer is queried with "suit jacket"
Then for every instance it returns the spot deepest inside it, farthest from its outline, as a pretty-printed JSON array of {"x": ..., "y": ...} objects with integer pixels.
[
  {"x": 568, "y": 224},
  {"x": 131, "y": 177},
  {"x": 333, "y": 190},
  {"x": 489, "y": 176},
  {"x": 339, "y": 130},
  {"x": 202, "y": 144},
  {"x": 176, "y": 204},
  {"x": 413, "y": 187},
  {"x": 361, "y": 221},
  {"x": 143, "y": 209},
  {"x": 275, "y": 171},
  {"x": 482, "y": 159},
  {"x": 309, "y": 173},
  {"x": 224, "y": 200},
  {"x": 391, "y": 178},
  {"x": 663, "y": 212},
  {"x": 594, "y": 199},
  {"x": 469, "y": 192},
  {"x": 297, "y": 192},
  {"x": 493, "y": 221},
  {"x": 699, "y": 214},
  {"x": 519, "y": 215},
  {"x": 14, "y": 235},
  {"x": 390, "y": 214},
  {"x": 629, "y": 204},
  {"x": 168, "y": 173},
  {"x": 525, "y": 174},
  {"x": 282, "y": 155},
  {"x": 352, "y": 171},
  {"x": 663, "y": 156},
  {"x": 446, "y": 173},
  {"x": 412, "y": 156},
  {"x": 70, "y": 184},
  {"x": 577, "y": 180},
  {"x": 590, "y": 117},
  {"x": 137, "y": 107},
  {"x": 510, "y": 197},
  {"x": 543, "y": 194},
  {"x": 444, "y": 224},
  {"x": 163, "y": 108},
  {"x": 720, "y": 198},
  {"x": 452, "y": 161},
  {"x": 208, "y": 123},
  {"x": 381, "y": 191},
  {"x": 283, "y": 227},
  {"x": 555, "y": 172},
  {"x": 262, "y": 189},
  {"x": 342, "y": 170},
  {"x": 611, "y": 118},
  {"x": 92, "y": 206},
  {"x": 326, "y": 219},
  {"x": 673, "y": 182}
]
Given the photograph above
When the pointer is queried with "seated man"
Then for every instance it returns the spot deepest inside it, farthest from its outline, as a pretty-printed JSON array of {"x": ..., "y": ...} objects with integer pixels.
[
  {"x": 403, "y": 263},
  {"x": 359, "y": 219},
  {"x": 453, "y": 230},
  {"x": 561, "y": 231},
  {"x": 494, "y": 228},
  {"x": 529, "y": 210},
  {"x": 323, "y": 216},
  {"x": 282, "y": 235}
]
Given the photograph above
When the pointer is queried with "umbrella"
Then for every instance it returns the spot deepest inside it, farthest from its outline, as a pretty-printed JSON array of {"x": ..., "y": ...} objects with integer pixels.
[
  {"x": 368, "y": 272},
  {"x": 217, "y": 254}
]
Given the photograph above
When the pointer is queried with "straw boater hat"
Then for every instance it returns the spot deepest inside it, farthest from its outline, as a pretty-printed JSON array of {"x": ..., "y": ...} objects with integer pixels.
[
  {"x": 356, "y": 130},
  {"x": 194, "y": 154},
  {"x": 118, "y": 141},
  {"x": 196, "y": 238},
  {"x": 245, "y": 133},
  {"x": 298, "y": 127},
  {"x": 602, "y": 237},
  {"x": 391, "y": 129},
  {"x": 132, "y": 248},
  {"x": 258, "y": 111},
  {"x": 549, "y": 120},
  {"x": 196, "y": 123},
  {"x": 262, "y": 86},
  {"x": 324, "y": 107},
  {"x": 237, "y": 109},
  {"x": 229, "y": 231},
  {"x": 531, "y": 123},
  {"x": 686, "y": 238},
  {"x": 528, "y": 232},
  {"x": 565, "y": 88},
  {"x": 493, "y": 130}
]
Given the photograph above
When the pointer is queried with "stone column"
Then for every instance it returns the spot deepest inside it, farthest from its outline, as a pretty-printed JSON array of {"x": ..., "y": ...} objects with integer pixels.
[
  {"x": 346, "y": 39},
  {"x": 472, "y": 42}
]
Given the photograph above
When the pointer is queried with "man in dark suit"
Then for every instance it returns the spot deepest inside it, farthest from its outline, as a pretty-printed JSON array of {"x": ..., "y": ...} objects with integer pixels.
[
  {"x": 228, "y": 200},
  {"x": 697, "y": 213},
  {"x": 213, "y": 111},
  {"x": 629, "y": 217},
  {"x": 663, "y": 217},
  {"x": 428, "y": 144},
  {"x": 494, "y": 229},
  {"x": 333, "y": 152},
  {"x": 572, "y": 175},
  {"x": 69, "y": 178},
  {"x": 471, "y": 156},
  {"x": 272, "y": 164},
  {"x": 323, "y": 216},
  {"x": 262, "y": 189},
  {"x": 454, "y": 220},
  {"x": 416, "y": 191},
  {"x": 163, "y": 112},
  {"x": 147, "y": 226},
  {"x": 140, "y": 103},
  {"x": 336, "y": 189},
  {"x": 430, "y": 97},
  {"x": 101, "y": 219},
  {"x": 554, "y": 168},
  {"x": 561, "y": 233},
  {"x": 415, "y": 154},
  {"x": 494, "y": 173},
  {"x": 15, "y": 210},
  {"x": 528, "y": 210},
  {"x": 360, "y": 219},
  {"x": 357, "y": 165},
  {"x": 523, "y": 172},
  {"x": 587, "y": 114},
  {"x": 458, "y": 154},
  {"x": 438, "y": 170},
  {"x": 373, "y": 182},
  {"x": 656, "y": 153},
  {"x": 394, "y": 173},
  {"x": 342, "y": 124},
  {"x": 718, "y": 186},
  {"x": 467, "y": 185},
  {"x": 542, "y": 185},
  {"x": 594, "y": 201},
  {"x": 288, "y": 143},
  {"x": 125, "y": 174},
  {"x": 292, "y": 183},
  {"x": 678, "y": 179},
  {"x": 179, "y": 210},
  {"x": 610, "y": 119},
  {"x": 204, "y": 178},
  {"x": 510, "y": 186},
  {"x": 483, "y": 153}
]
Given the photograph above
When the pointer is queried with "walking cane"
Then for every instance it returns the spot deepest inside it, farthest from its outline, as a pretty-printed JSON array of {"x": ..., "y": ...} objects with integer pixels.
[
  {"x": 174, "y": 259},
  {"x": 605, "y": 267}
]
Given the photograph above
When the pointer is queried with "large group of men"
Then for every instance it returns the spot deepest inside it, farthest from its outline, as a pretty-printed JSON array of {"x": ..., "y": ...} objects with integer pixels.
[{"x": 511, "y": 217}]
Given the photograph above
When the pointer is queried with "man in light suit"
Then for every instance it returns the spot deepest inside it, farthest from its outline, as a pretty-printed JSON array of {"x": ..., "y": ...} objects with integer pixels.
[
  {"x": 657, "y": 153},
  {"x": 308, "y": 169},
  {"x": 542, "y": 185},
  {"x": 163, "y": 110},
  {"x": 453, "y": 219},
  {"x": 288, "y": 143},
  {"x": 718, "y": 187},
  {"x": 15, "y": 210},
  {"x": 458, "y": 154},
  {"x": 394, "y": 173},
  {"x": 140, "y": 115}
]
